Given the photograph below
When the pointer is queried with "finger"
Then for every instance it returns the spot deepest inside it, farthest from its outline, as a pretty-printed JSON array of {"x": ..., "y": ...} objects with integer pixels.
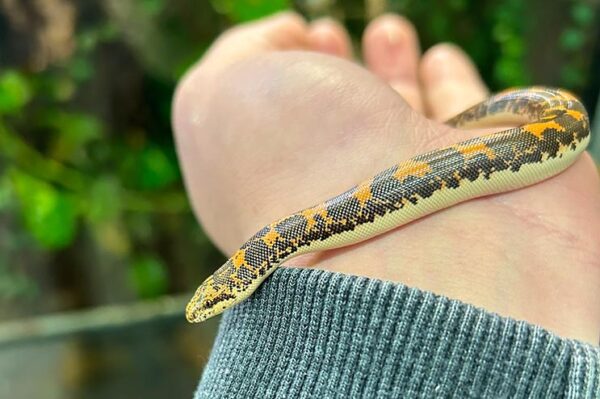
[
  {"x": 283, "y": 31},
  {"x": 328, "y": 36},
  {"x": 391, "y": 51},
  {"x": 450, "y": 82}
]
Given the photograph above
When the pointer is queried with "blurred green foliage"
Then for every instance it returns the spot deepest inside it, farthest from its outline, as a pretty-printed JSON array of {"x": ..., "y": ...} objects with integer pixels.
[
  {"x": 49, "y": 214},
  {"x": 88, "y": 159},
  {"x": 15, "y": 90},
  {"x": 247, "y": 10},
  {"x": 148, "y": 276}
]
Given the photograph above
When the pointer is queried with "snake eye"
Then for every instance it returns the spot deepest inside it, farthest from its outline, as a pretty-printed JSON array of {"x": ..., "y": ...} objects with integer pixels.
[
  {"x": 211, "y": 298},
  {"x": 205, "y": 302}
]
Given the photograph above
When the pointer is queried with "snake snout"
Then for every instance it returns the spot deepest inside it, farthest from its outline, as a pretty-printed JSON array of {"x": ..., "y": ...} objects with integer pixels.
[{"x": 195, "y": 311}]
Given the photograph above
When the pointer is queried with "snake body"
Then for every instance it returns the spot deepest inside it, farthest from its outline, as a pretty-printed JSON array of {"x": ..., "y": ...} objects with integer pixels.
[{"x": 554, "y": 131}]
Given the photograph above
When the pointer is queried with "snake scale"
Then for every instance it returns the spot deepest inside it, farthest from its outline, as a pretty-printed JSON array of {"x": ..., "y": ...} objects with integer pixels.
[{"x": 554, "y": 130}]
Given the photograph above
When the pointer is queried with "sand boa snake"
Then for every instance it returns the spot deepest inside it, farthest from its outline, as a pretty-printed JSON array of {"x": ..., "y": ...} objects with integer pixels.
[{"x": 554, "y": 131}]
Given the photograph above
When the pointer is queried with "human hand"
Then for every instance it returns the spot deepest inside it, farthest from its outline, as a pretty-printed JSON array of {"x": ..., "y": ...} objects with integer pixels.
[{"x": 268, "y": 124}]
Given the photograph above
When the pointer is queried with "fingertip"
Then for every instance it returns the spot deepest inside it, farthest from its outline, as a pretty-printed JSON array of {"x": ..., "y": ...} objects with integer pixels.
[
  {"x": 392, "y": 51},
  {"x": 450, "y": 81},
  {"x": 390, "y": 32},
  {"x": 286, "y": 19},
  {"x": 330, "y": 37},
  {"x": 284, "y": 31},
  {"x": 447, "y": 60},
  {"x": 393, "y": 20}
]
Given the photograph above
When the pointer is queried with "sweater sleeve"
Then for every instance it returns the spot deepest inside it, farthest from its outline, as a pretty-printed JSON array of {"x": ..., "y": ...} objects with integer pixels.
[{"x": 317, "y": 334}]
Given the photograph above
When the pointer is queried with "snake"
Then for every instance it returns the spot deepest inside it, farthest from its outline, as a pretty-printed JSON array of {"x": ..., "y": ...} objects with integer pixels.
[{"x": 553, "y": 130}]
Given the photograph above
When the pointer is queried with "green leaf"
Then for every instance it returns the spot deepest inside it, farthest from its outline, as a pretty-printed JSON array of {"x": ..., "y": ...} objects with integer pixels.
[
  {"x": 509, "y": 72},
  {"x": 513, "y": 47},
  {"x": 81, "y": 68},
  {"x": 148, "y": 276},
  {"x": 62, "y": 89},
  {"x": 152, "y": 7},
  {"x": 571, "y": 77},
  {"x": 572, "y": 39},
  {"x": 88, "y": 39},
  {"x": 49, "y": 214},
  {"x": 108, "y": 32},
  {"x": 458, "y": 5},
  {"x": 104, "y": 200},
  {"x": 74, "y": 131},
  {"x": 6, "y": 192},
  {"x": 15, "y": 91},
  {"x": 247, "y": 10},
  {"x": 150, "y": 168},
  {"x": 501, "y": 33},
  {"x": 583, "y": 14}
]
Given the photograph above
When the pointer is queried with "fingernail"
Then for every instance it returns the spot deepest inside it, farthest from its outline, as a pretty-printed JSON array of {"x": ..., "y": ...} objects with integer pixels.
[
  {"x": 323, "y": 40},
  {"x": 392, "y": 54},
  {"x": 394, "y": 42}
]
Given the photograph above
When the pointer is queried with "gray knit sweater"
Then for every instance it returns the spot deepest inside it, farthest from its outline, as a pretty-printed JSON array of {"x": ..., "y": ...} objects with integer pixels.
[{"x": 316, "y": 334}]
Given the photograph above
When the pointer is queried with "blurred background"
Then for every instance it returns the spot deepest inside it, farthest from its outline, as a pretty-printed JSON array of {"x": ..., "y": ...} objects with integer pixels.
[{"x": 99, "y": 250}]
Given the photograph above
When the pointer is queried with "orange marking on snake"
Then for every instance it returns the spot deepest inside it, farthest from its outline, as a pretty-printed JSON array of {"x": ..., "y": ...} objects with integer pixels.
[
  {"x": 412, "y": 168},
  {"x": 538, "y": 129},
  {"x": 310, "y": 219},
  {"x": 271, "y": 237},
  {"x": 575, "y": 114},
  {"x": 469, "y": 151},
  {"x": 239, "y": 259},
  {"x": 310, "y": 214},
  {"x": 363, "y": 194},
  {"x": 323, "y": 213}
]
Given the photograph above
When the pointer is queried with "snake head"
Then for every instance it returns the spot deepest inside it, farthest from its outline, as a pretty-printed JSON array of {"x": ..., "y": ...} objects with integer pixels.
[{"x": 209, "y": 300}]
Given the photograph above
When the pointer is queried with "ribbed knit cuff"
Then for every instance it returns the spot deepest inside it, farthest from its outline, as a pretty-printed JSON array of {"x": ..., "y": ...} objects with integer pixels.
[{"x": 311, "y": 333}]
